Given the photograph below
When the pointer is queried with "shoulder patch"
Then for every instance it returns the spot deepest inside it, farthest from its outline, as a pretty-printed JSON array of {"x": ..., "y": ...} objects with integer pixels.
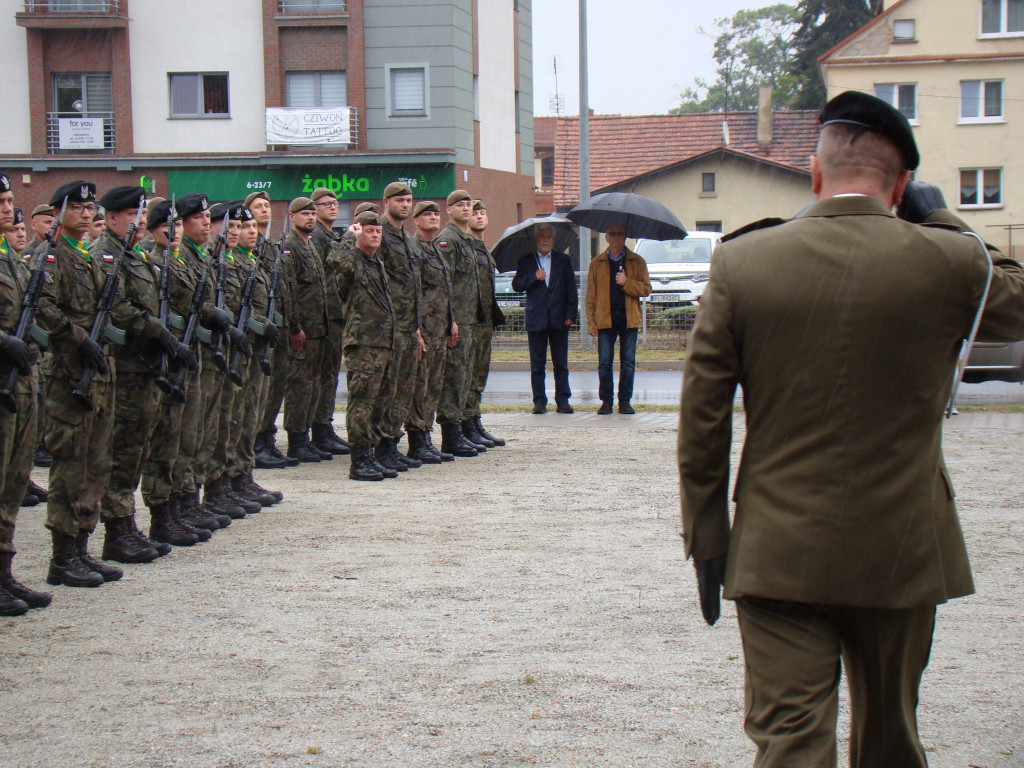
[
  {"x": 51, "y": 258},
  {"x": 753, "y": 227},
  {"x": 108, "y": 258},
  {"x": 442, "y": 243}
]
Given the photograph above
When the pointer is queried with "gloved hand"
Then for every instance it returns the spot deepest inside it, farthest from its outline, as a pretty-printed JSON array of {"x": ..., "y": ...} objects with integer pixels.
[
  {"x": 239, "y": 342},
  {"x": 710, "y": 577},
  {"x": 92, "y": 354},
  {"x": 14, "y": 351},
  {"x": 167, "y": 341},
  {"x": 920, "y": 200},
  {"x": 185, "y": 356},
  {"x": 220, "y": 321},
  {"x": 273, "y": 334}
]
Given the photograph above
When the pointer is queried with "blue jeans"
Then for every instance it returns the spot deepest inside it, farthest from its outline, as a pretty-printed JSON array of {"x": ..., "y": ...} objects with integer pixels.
[{"x": 606, "y": 338}]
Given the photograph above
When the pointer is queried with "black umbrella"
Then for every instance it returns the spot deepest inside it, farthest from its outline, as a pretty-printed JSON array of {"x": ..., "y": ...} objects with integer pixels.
[
  {"x": 517, "y": 240},
  {"x": 641, "y": 216}
]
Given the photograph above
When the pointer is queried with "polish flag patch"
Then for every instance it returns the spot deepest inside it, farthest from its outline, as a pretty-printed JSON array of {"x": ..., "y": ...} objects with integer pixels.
[{"x": 109, "y": 259}]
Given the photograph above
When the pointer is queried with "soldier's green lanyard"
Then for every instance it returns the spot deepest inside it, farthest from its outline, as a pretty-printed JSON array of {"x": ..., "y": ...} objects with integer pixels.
[{"x": 965, "y": 349}]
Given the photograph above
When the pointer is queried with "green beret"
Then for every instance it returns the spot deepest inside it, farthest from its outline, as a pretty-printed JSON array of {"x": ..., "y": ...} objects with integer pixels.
[
  {"x": 301, "y": 204},
  {"x": 872, "y": 114},
  {"x": 322, "y": 192},
  {"x": 425, "y": 205},
  {"x": 478, "y": 205},
  {"x": 458, "y": 196},
  {"x": 362, "y": 207},
  {"x": 368, "y": 218},
  {"x": 396, "y": 188},
  {"x": 254, "y": 195},
  {"x": 43, "y": 209}
]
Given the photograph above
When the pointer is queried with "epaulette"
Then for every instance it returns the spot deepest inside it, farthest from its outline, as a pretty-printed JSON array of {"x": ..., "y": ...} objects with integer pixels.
[{"x": 753, "y": 227}]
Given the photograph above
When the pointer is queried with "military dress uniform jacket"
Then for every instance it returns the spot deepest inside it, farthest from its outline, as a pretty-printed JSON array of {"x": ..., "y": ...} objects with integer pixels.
[
  {"x": 456, "y": 247},
  {"x": 843, "y": 327},
  {"x": 323, "y": 241},
  {"x": 436, "y": 315},
  {"x": 401, "y": 259},
  {"x": 306, "y": 299},
  {"x": 369, "y": 314}
]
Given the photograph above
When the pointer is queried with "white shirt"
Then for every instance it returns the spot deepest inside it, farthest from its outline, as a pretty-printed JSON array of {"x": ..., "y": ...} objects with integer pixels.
[{"x": 545, "y": 264}]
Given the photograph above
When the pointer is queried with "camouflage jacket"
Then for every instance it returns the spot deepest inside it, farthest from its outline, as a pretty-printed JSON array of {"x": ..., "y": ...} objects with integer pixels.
[
  {"x": 456, "y": 247},
  {"x": 485, "y": 274},
  {"x": 323, "y": 241},
  {"x": 14, "y": 275},
  {"x": 306, "y": 297},
  {"x": 436, "y": 316},
  {"x": 369, "y": 313},
  {"x": 401, "y": 260}
]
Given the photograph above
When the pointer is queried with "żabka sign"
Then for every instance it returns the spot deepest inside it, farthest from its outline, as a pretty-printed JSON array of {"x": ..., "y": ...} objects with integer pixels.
[{"x": 299, "y": 125}]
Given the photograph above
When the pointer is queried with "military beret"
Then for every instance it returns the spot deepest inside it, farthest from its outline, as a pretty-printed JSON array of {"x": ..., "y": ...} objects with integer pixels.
[
  {"x": 872, "y": 114},
  {"x": 75, "y": 192},
  {"x": 192, "y": 203},
  {"x": 363, "y": 207},
  {"x": 322, "y": 192},
  {"x": 158, "y": 214},
  {"x": 396, "y": 188},
  {"x": 242, "y": 213},
  {"x": 101, "y": 213},
  {"x": 254, "y": 195},
  {"x": 478, "y": 205},
  {"x": 301, "y": 204},
  {"x": 425, "y": 205},
  {"x": 152, "y": 202},
  {"x": 43, "y": 209},
  {"x": 19, "y": 216},
  {"x": 458, "y": 196},
  {"x": 122, "y": 197},
  {"x": 5, "y": 182},
  {"x": 218, "y": 211},
  {"x": 368, "y": 218}
]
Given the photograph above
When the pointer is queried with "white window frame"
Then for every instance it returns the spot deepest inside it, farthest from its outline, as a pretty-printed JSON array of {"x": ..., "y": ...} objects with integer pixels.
[
  {"x": 1000, "y": 118},
  {"x": 201, "y": 115},
  {"x": 913, "y": 31},
  {"x": 392, "y": 113},
  {"x": 1003, "y": 13},
  {"x": 896, "y": 86},
  {"x": 979, "y": 180}
]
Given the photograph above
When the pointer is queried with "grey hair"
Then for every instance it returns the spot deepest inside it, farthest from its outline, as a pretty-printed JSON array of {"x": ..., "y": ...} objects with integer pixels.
[{"x": 541, "y": 226}]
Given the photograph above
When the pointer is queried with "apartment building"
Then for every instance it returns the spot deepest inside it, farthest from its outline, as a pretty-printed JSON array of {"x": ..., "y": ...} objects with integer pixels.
[{"x": 281, "y": 95}]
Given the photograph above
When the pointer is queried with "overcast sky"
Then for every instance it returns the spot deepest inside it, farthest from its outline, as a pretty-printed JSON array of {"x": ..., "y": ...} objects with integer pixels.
[{"x": 642, "y": 52}]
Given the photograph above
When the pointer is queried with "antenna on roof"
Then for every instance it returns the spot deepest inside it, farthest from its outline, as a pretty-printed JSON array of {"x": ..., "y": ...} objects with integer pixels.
[{"x": 556, "y": 103}]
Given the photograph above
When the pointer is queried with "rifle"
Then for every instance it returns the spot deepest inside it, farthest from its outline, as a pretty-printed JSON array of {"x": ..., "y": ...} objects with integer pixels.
[
  {"x": 275, "y": 279},
  {"x": 220, "y": 295},
  {"x": 245, "y": 311},
  {"x": 83, "y": 386},
  {"x": 164, "y": 310},
  {"x": 29, "y": 304}
]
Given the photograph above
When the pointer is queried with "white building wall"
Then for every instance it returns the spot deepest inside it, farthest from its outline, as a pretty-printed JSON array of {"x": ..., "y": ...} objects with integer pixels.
[
  {"x": 497, "y": 85},
  {"x": 16, "y": 135},
  {"x": 199, "y": 36}
]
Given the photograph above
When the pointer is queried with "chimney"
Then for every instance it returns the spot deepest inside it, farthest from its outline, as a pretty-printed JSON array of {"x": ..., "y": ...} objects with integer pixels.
[{"x": 764, "y": 116}]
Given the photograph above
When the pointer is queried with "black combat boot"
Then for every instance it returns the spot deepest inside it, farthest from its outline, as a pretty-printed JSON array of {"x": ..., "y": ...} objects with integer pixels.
[
  {"x": 395, "y": 454},
  {"x": 250, "y": 507},
  {"x": 66, "y": 568},
  {"x": 11, "y": 605},
  {"x": 120, "y": 546},
  {"x": 257, "y": 488},
  {"x": 434, "y": 449},
  {"x": 371, "y": 460},
  {"x": 30, "y": 597},
  {"x": 241, "y": 488},
  {"x": 454, "y": 442},
  {"x": 418, "y": 448},
  {"x": 478, "y": 423},
  {"x": 190, "y": 505},
  {"x": 161, "y": 548},
  {"x": 481, "y": 442},
  {"x": 362, "y": 468},
  {"x": 324, "y": 455},
  {"x": 341, "y": 446},
  {"x": 299, "y": 447},
  {"x": 43, "y": 457},
  {"x": 324, "y": 439},
  {"x": 29, "y": 500},
  {"x": 108, "y": 572},
  {"x": 267, "y": 457},
  {"x": 273, "y": 449},
  {"x": 37, "y": 490},
  {"x": 162, "y": 527},
  {"x": 175, "y": 511},
  {"x": 215, "y": 502},
  {"x": 385, "y": 455}
]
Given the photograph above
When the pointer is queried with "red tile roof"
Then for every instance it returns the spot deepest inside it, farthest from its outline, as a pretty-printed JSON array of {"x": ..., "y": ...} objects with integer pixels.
[{"x": 623, "y": 146}]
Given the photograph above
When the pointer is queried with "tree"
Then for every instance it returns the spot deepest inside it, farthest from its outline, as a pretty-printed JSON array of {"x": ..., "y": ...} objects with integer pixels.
[
  {"x": 823, "y": 25},
  {"x": 751, "y": 48}
]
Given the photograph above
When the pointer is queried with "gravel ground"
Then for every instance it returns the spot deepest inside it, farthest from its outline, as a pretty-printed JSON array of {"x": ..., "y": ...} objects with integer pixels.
[{"x": 526, "y": 608}]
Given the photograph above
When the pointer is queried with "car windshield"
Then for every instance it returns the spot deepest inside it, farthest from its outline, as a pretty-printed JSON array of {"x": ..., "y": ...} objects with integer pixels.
[{"x": 687, "y": 251}]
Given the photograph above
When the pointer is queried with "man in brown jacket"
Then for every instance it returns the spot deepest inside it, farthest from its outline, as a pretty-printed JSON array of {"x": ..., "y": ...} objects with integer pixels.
[
  {"x": 616, "y": 281},
  {"x": 843, "y": 327}
]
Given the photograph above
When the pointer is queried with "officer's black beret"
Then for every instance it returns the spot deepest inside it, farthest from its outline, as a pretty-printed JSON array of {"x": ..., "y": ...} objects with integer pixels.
[
  {"x": 122, "y": 198},
  {"x": 220, "y": 210},
  {"x": 873, "y": 114},
  {"x": 158, "y": 214},
  {"x": 75, "y": 192},
  {"x": 241, "y": 213},
  {"x": 192, "y": 203},
  {"x": 5, "y": 182},
  {"x": 19, "y": 216}
]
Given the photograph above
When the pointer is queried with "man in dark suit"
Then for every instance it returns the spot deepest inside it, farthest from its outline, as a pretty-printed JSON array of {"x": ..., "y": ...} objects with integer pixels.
[
  {"x": 843, "y": 327},
  {"x": 551, "y": 308}
]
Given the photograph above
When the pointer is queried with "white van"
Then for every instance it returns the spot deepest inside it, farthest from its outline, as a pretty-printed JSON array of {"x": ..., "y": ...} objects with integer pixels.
[{"x": 678, "y": 268}]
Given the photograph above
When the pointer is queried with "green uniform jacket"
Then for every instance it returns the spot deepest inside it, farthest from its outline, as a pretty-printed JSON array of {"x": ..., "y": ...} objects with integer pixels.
[
  {"x": 306, "y": 298},
  {"x": 843, "y": 328},
  {"x": 436, "y": 316},
  {"x": 456, "y": 247},
  {"x": 401, "y": 260},
  {"x": 323, "y": 241},
  {"x": 369, "y": 314}
]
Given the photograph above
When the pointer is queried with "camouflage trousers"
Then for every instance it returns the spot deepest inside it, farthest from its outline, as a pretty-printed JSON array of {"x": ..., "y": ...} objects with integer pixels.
[
  {"x": 303, "y": 388},
  {"x": 367, "y": 372},
  {"x": 159, "y": 480},
  {"x": 458, "y": 372},
  {"x": 276, "y": 384},
  {"x": 249, "y": 405},
  {"x": 79, "y": 440},
  {"x": 221, "y": 433},
  {"x": 18, "y": 437},
  {"x": 136, "y": 412},
  {"x": 427, "y": 391},
  {"x": 207, "y": 418},
  {"x": 191, "y": 434},
  {"x": 330, "y": 369},
  {"x": 401, "y": 383},
  {"x": 481, "y": 360}
]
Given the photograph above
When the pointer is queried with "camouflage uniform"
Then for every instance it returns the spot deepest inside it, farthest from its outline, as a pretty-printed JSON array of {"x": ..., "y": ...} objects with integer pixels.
[
  {"x": 401, "y": 260},
  {"x": 481, "y": 360},
  {"x": 306, "y": 311},
  {"x": 17, "y": 430},
  {"x": 456, "y": 247},
  {"x": 435, "y": 325},
  {"x": 323, "y": 241},
  {"x": 368, "y": 341},
  {"x": 280, "y": 363}
]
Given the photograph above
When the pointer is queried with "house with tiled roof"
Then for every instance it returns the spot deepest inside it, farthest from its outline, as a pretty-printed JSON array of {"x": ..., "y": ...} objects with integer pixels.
[
  {"x": 955, "y": 68},
  {"x": 715, "y": 171}
]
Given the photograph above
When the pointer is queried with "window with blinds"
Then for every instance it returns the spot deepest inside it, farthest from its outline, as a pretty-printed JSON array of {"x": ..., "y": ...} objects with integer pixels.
[
  {"x": 82, "y": 93},
  {"x": 199, "y": 94},
  {"x": 316, "y": 89},
  {"x": 408, "y": 91}
]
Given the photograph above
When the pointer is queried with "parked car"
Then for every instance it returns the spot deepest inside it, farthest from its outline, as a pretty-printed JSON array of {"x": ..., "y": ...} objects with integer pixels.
[
  {"x": 678, "y": 268},
  {"x": 991, "y": 361},
  {"x": 503, "y": 292}
]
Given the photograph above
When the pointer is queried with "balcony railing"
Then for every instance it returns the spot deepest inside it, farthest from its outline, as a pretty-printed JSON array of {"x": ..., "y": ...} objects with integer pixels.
[
  {"x": 312, "y": 7},
  {"x": 76, "y": 133},
  {"x": 72, "y": 6}
]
